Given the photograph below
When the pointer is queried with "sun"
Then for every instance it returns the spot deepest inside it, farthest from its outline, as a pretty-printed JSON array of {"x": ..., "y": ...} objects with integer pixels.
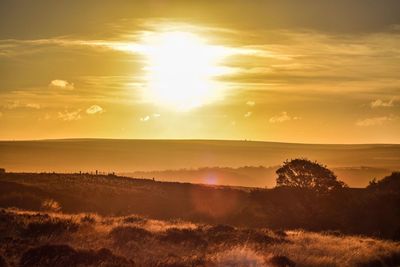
[{"x": 181, "y": 69}]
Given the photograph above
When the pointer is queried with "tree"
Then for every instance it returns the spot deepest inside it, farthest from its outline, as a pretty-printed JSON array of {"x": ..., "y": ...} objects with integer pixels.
[
  {"x": 303, "y": 173},
  {"x": 388, "y": 183}
]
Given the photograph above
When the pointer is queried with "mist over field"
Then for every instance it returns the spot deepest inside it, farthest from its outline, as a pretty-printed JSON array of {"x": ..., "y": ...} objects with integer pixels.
[{"x": 220, "y": 162}]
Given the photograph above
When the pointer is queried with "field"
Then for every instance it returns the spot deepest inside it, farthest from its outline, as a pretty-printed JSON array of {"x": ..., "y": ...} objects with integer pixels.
[
  {"x": 54, "y": 239},
  {"x": 53, "y": 219},
  {"x": 354, "y": 164}
]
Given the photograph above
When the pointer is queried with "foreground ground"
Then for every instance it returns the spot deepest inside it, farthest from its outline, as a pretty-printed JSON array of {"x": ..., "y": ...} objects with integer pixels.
[{"x": 55, "y": 239}]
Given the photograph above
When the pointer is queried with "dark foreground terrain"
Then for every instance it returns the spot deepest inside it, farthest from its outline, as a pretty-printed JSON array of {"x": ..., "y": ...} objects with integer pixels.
[
  {"x": 55, "y": 239},
  {"x": 372, "y": 211}
]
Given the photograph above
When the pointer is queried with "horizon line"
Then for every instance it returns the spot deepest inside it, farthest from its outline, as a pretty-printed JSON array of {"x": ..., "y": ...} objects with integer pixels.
[{"x": 187, "y": 139}]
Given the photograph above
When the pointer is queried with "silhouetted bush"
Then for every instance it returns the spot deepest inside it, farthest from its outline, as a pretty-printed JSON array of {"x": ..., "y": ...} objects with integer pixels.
[
  {"x": 52, "y": 227},
  {"x": 281, "y": 261},
  {"x": 21, "y": 200},
  {"x": 307, "y": 174},
  {"x": 175, "y": 261},
  {"x": 123, "y": 234},
  {"x": 257, "y": 236},
  {"x": 3, "y": 262},
  {"x": 134, "y": 219},
  {"x": 280, "y": 233},
  {"x": 186, "y": 236},
  {"x": 389, "y": 183},
  {"x": 221, "y": 234},
  {"x": 88, "y": 219},
  {"x": 389, "y": 260},
  {"x": 64, "y": 255}
]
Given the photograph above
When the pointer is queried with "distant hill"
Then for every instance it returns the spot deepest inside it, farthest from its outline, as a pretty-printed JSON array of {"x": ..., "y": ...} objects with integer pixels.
[
  {"x": 127, "y": 156},
  {"x": 254, "y": 176}
]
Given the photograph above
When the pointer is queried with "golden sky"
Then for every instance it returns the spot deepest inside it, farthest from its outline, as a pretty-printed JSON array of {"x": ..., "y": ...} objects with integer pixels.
[{"x": 294, "y": 71}]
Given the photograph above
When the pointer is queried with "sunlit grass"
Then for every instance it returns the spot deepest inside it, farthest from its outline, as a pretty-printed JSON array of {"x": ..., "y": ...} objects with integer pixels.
[{"x": 151, "y": 242}]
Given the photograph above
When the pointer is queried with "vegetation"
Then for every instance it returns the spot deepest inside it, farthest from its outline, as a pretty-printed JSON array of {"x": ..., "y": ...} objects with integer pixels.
[
  {"x": 303, "y": 173},
  {"x": 371, "y": 211},
  {"x": 120, "y": 241},
  {"x": 51, "y": 219}
]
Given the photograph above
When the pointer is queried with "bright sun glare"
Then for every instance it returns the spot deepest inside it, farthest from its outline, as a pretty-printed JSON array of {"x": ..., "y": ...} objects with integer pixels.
[{"x": 181, "y": 69}]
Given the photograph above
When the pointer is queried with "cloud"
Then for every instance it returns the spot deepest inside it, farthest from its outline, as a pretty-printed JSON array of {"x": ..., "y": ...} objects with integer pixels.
[
  {"x": 282, "y": 117},
  {"x": 70, "y": 116},
  {"x": 46, "y": 117},
  {"x": 250, "y": 103},
  {"x": 146, "y": 118},
  {"x": 62, "y": 84},
  {"x": 248, "y": 114},
  {"x": 33, "y": 105},
  {"x": 380, "y": 103},
  {"x": 18, "y": 104},
  {"x": 12, "y": 105},
  {"x": 374, "y": 121},
  {"x": 149, "y": 117},
  {"x": 95, "y": 109}
]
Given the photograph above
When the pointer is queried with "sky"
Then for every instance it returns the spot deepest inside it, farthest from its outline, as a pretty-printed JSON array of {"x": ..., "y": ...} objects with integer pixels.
[{"x": 307, "y": 71}]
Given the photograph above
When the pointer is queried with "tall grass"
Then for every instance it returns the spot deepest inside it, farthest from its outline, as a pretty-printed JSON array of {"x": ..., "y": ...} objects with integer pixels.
[{"x": 29, "y": 238}]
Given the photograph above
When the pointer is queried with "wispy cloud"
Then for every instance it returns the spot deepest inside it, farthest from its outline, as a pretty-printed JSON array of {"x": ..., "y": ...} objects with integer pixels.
[
  {"x": 62, "y": 84},
  {"x": 70, "y": 115},
  {"x": 374, "y": 121},
  {"x": 33, "y": 105},
  {"x": 248, "y": 114},
  {"x": 149, "y": 117},
  {"x": 380, "y": 103},
  {"x": 145, "y": 118},
  {"x": 282, "y": 117},
  {"x": 95, "y": 109},
  {"x": 18, "y": 104},
  {"x": 250, "y": 103}
]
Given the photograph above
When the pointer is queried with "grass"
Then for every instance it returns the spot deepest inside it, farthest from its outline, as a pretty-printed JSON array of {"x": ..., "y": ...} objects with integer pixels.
[{"x": 54, "y": 239}]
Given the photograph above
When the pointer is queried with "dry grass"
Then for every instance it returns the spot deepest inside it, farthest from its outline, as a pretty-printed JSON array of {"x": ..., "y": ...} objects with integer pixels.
[{"x": 54, "y": 239}]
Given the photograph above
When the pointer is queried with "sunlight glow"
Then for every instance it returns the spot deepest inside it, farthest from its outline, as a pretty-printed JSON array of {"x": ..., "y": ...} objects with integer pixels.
[{"x": 181, "y": 69}]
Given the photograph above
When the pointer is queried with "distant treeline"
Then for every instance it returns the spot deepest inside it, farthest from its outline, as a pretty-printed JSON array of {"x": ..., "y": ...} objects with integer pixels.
[{"x": 374, "y": 210}]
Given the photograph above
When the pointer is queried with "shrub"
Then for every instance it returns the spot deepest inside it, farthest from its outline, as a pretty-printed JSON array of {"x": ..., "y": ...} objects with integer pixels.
[
  {"x": 392, "y": 259},
  {"x": 52, "y": 227},
  {"x": 389, "y": 183},
  {"x": 134, "y": 219},
  {"x": 259, "y": 237},
  {"x": 303, "y": 173},
  {"x": 123, "y": 234},
  {"x": 64, "y": 255},
  {"x": 187, "y": 236},
  {"x": 21, "y": 200},
  {"x": 221, "y": 234},
  {"x": 51, "y": 205},
  {"x": 3, "y": 262},
  {"x": 88, "y": 219},
  {"x": 280, "y": 233},
  {"x": 238, "y": 256},
  {"x": 174, "y": 261},
  {"x": 281, "y": 261}
]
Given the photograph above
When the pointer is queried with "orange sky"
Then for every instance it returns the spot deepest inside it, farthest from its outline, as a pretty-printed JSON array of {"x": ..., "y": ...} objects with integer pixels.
[{"x": 265, "y": 70}]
